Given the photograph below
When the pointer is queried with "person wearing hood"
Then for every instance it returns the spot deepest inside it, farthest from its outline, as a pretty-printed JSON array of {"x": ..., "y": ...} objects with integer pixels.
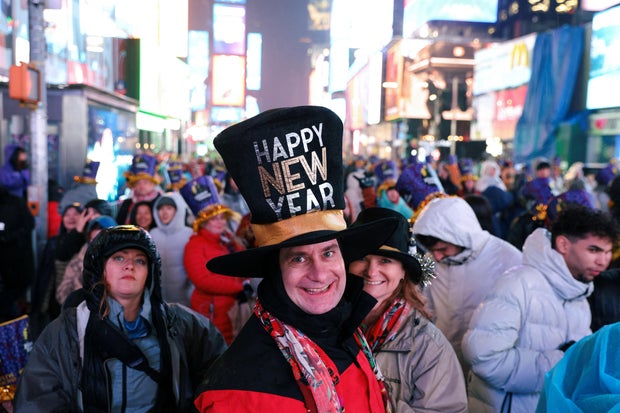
[
  {"x": 14, "y": 174},
  {"x": 468, "y": 259},
  {"x": 171, "y": 235},
  {"x": 536, "y": 311},
  {"x": 122, "y": 348},
  {"x": 490, "y": 175},
  {"x": 301, "y": 350}
]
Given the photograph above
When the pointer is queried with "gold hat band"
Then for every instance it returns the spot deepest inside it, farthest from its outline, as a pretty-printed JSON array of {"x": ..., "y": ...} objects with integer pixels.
[
  {"x": 388, "y": 248},
  {"x": 277, "y": 232}
]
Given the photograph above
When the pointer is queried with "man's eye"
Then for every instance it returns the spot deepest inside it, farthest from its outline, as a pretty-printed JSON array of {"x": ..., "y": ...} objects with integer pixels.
[
  {"x": 298, "y": 259},
  {"x": 329, "y": 253}
]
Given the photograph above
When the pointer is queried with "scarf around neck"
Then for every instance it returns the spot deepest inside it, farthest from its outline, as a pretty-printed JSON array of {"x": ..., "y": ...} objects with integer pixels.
[
  {"x": 316, "y": 374},
  {"x": 385, "y": 328}
]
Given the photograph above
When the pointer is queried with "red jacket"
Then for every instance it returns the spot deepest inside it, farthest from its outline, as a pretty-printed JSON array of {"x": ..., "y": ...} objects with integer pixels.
[
  {"x": 253, "y": 376},
  {"x": 214, "y": 294}
]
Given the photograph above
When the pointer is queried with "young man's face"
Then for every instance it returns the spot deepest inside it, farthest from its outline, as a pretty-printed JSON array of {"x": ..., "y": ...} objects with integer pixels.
[
  {"x": 587, "y": 257},
  {"x": 443, "y": 250},
  {"x": 314, "y": 276},
  {"x": 166, "y": 213}
]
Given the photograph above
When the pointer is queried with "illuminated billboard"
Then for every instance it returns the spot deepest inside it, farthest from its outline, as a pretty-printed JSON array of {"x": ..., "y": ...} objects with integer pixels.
[
  {"x": 228, "y": 81},
  {"x": 255, "y": 61},
  {"x": 228, "y": 29},
  {"x": 418, "y": 12},
  {"x": 504, "y": 65},
  {"x": 198, "y": 62},
  {"x": 604, "y": 76},
  {"x": 393, "y": 82}
]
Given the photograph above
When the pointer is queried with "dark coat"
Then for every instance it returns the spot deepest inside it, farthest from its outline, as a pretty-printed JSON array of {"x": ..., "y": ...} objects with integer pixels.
[{"x": 16, "y": 251}]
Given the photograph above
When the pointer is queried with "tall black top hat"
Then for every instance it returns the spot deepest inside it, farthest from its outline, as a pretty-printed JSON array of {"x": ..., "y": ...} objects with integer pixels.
[{"x": 288, "y": 166}]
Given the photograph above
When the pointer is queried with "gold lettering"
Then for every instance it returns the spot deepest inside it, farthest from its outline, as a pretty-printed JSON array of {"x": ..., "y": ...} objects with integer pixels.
[
  {"x": 289, "y": 177},
  {"x": 316, "y": 165},
  {"x": 275, "y": 180}
]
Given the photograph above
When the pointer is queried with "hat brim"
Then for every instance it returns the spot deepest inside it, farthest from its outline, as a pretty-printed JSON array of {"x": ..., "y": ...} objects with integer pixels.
[
  {"x": 355, "y": 243},
  {"x": 410, "y": 263}
]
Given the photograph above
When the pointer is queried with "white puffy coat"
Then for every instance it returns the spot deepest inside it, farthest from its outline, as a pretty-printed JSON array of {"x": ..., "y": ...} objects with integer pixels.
[
  {"x": 514, "y": 335},
  {"x": 170, "y": 240},
  {"x": 463, "y": 280}
]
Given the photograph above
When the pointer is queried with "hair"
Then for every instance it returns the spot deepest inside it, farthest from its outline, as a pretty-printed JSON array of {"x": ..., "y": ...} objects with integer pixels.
[
  {"x": 578, "y": 222},
  {"x": 101, "y": 205},
  {"x": 413, "y": 294},
  {"x": 15, "y": 155},
  {"x": 427, "y": 241},
  {"x": 483, "y": 210},
  {"x": 134, "y": 213}
]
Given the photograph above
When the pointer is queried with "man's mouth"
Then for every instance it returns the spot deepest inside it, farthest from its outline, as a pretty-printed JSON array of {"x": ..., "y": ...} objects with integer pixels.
[{"x": 313, "y": 291}]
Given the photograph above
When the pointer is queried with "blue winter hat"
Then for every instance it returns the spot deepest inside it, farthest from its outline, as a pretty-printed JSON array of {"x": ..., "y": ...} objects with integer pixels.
[
  {"x": 202, "y": 197},
  {"x": 103, "y": 222}
]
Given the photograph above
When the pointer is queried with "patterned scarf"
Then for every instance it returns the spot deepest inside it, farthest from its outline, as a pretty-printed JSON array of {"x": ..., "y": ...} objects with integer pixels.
[
  {"x": 386, "y": 327},
  {"x": 315, "y": 373}
]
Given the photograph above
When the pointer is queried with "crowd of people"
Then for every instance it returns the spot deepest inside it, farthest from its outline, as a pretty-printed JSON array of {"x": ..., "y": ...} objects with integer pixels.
[{"x": 283, "y": 278}]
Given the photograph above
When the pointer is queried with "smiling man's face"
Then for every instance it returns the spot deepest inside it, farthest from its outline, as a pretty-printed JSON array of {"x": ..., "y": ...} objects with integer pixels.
[{"x": 314, "y": 276}]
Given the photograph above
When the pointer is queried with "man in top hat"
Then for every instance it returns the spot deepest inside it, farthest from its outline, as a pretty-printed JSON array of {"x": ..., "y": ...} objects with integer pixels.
[
  {"x": 143, "y": 180},
  {"x": 84, "y": 188},
  {"x": 301, "y": 350}
]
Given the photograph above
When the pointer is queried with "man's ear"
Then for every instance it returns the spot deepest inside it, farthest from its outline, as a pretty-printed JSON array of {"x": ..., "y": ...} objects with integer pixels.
[{"x": 562, "y": 244}]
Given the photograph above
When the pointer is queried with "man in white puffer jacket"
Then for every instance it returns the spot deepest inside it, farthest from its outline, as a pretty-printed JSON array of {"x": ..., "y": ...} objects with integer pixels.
[
  {"x": 536, "y": 311},
  {"x": 469, "y": 261}
]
